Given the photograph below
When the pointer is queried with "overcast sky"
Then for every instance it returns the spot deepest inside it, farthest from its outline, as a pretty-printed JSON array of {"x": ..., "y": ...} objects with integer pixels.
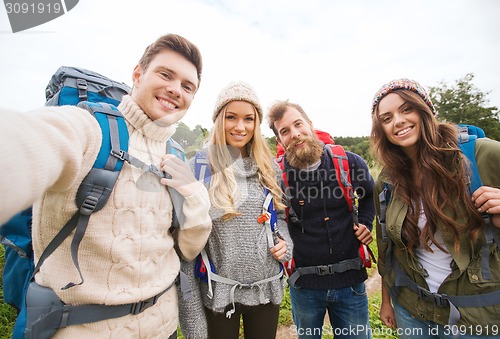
[{"x": 329, "y": 56}]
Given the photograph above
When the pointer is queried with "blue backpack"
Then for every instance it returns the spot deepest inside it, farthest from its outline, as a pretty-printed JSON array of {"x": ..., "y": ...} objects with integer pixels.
[
  {"x": 100, "y": 96},
  {"x": 468, "y": 135}
]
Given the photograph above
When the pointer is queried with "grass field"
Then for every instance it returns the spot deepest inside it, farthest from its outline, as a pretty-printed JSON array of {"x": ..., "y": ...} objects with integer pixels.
[{"x": 7, "y": 313}]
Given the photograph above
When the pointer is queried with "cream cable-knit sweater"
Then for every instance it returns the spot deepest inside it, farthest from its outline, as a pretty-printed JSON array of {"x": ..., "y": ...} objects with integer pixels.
[{"x": 127, "y": 253}]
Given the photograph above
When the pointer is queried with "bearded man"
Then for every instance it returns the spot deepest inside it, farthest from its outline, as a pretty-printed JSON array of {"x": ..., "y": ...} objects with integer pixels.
[{"x": 324, "y": 233}]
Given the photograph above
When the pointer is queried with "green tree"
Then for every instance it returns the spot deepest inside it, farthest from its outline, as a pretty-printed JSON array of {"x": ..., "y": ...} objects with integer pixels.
[
  {"x": 183, "y": 135},
  {"x": 200, "y": 134},
  {"x": 358, "y": 145},
  {"x": 190, "y": 140},
  {"x": 272, "y": 143},
  {"x": 464, "y": 103}
]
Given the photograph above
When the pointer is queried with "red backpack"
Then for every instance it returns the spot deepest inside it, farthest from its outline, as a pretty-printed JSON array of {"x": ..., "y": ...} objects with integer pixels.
[{"x": 341, "y": 164}]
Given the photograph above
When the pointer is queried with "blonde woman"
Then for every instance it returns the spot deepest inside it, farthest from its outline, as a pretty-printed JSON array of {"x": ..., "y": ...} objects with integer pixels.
[{"x": 248, "y": 278}]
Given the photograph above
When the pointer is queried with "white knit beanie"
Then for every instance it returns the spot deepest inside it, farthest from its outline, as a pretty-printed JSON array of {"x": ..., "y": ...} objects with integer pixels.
[{"x": 236, "y": 91}]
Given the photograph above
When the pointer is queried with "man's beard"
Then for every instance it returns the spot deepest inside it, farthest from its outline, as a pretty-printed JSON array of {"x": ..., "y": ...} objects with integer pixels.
[{"x": 308, "y": 154}]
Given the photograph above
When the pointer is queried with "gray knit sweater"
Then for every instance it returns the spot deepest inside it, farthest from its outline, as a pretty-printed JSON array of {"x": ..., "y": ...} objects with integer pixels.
[{"x": 238, "y": 249}]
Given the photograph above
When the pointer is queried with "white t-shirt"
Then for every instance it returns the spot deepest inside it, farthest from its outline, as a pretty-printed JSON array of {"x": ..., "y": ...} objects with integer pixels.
[{"x": 436, "y": 263}]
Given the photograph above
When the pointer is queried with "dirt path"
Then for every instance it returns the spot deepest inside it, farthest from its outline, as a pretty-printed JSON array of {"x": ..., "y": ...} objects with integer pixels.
[{"x": 372, "y": 285}]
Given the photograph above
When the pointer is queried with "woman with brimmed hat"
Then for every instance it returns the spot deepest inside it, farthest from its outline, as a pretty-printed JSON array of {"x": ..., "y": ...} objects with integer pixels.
[
  {"x": 431, "y": 236},
  {"x": 243, "y": 250}
]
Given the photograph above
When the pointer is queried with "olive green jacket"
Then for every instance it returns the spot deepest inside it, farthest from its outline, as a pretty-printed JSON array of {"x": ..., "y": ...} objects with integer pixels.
[{"x": 466, "y": 277}]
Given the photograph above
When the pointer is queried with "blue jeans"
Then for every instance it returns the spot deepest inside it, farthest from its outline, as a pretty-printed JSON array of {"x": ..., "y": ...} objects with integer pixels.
[
  {"x": 410, "y": 327},
  {"x": 347, "y": 308}
]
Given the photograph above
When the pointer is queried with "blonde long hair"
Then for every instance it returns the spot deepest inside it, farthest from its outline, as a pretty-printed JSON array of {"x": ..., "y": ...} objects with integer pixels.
[{"x": 223, "y": 189}]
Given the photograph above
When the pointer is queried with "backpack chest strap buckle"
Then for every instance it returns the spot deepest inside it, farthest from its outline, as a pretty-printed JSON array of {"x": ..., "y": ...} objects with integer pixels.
[
  {"x": 440, "y": 300},
  {"x": 143, "y": 305}
]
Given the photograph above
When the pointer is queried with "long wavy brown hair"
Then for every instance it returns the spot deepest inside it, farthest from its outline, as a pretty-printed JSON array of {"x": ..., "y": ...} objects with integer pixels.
[{"x": 443, "y": 172}]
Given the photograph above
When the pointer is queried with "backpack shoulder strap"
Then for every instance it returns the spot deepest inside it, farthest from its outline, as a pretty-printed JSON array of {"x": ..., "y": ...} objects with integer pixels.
[
  {"x": 173, "y": 147},
  {"x": 341, "y": 164},
  {"x": 467, "y": 144},
  {"x": 202, "y": 170},
  {"x": 291, "y": 216},
  {"x": 114, "y": 134},
  {"x": 280, "y": 160},
  {"x": 269, "y": 219},
  {"x": 178, "y": 217},
  {"x": 342, "y": 170},
  {"x": 384, "y": 197},
  {"x": 97, "y": 186}
]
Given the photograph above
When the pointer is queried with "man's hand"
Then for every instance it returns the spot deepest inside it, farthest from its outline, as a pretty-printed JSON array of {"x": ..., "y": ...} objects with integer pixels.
[
  {"x": 363, "y": 234},
  {"x": 182, "y": 179}
]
